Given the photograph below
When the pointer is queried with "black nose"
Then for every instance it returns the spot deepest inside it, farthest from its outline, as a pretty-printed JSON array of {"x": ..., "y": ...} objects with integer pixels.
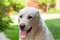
[{"x": 22, "y": 26}]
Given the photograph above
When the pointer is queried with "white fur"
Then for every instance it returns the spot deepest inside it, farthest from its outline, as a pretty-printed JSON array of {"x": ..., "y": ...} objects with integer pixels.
[{"x": 39, "y": 29}]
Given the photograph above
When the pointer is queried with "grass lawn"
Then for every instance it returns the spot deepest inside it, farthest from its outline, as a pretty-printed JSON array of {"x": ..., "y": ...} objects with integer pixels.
[
  {"x": 54, "y": 26},
  {"x": 12, "y": 32}
]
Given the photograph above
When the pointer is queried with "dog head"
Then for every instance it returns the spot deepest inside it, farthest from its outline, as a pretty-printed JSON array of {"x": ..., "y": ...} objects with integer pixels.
[{"x": 28, "y": 17}]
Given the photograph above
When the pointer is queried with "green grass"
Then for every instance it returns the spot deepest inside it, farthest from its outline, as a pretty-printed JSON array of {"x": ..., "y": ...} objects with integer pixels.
[
  {"x": 12, "y": 32},
  {"x": 54, "y": 26}
]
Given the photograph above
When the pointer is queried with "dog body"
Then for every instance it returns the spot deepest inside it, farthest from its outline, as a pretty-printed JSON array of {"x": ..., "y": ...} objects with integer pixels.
[{"x": 32, "y": 26}]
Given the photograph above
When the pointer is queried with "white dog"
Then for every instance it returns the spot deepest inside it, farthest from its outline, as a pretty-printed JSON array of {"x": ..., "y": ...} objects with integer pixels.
[{"x": 31, "y": 25}]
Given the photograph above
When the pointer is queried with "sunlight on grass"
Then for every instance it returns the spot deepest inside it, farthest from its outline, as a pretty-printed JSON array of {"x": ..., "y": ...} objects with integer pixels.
[
  {"x": 12, "y": 32},
  {"x": 54, "y": 26}
]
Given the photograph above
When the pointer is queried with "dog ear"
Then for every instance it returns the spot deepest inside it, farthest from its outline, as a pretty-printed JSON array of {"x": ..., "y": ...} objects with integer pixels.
[{"x": 38, "y": 14}]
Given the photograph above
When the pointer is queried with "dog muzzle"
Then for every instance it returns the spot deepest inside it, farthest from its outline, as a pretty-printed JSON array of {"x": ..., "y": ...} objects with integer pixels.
[{"x": 24, "y": 32}]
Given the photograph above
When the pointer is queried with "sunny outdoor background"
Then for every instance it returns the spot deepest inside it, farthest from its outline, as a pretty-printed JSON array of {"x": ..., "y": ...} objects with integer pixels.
[{"x": 50, "y": 10}]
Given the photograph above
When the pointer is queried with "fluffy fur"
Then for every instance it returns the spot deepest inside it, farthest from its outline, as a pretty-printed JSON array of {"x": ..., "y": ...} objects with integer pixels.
[{"x": 39, "y": 29}]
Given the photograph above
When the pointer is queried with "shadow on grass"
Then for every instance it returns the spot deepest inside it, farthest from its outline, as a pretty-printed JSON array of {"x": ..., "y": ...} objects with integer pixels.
[
  {"x": 12, "y": 32},
  {"x": 54, "y": 26}
]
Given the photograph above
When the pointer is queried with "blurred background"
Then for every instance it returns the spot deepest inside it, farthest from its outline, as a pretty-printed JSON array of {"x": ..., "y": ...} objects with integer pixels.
[{"x": 50, "y": 12}]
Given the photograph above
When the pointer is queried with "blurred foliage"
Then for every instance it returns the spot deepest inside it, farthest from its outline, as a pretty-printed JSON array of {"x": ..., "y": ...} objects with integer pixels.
[
  {"x": 4, "y": 19},
  {"x": 53, "y": 2},
  {"x": 4, "y": 22},
  {"x": 47, "y": 1},
  {"x": 17, "y": 4},
  {"x": 53, "y": 10},
  {"x": 43, "y": 1},
  {"x": 5, "y": 7}
]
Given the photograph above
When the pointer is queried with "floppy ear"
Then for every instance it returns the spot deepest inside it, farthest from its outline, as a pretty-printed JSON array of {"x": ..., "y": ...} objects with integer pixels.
[
  {"x": 36, "y": 18},
  {"x": 38, "y": 15}
]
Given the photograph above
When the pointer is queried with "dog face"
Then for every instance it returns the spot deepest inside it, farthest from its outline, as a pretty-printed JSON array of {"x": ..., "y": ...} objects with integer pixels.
[{"x": 26, "y": 18}]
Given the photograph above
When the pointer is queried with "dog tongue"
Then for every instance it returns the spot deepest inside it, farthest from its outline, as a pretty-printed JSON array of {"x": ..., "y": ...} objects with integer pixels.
[{"x": 23, "y": 33}]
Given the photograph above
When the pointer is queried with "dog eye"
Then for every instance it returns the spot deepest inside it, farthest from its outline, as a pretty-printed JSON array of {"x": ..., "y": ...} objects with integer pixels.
[
  {"x": 21, "y": 16},
  {"x": 29, "y": 17}
]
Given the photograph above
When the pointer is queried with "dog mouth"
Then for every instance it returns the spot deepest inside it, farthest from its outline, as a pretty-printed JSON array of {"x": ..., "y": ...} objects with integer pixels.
[{"x": 24, "y": 32}]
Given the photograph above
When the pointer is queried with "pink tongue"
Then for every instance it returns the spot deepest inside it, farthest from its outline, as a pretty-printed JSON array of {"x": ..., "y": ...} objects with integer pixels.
[{"x": 23, "y": 34}]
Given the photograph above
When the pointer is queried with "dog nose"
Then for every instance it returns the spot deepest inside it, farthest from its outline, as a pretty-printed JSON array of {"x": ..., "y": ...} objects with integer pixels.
[{"x": 22, "y": 25}]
